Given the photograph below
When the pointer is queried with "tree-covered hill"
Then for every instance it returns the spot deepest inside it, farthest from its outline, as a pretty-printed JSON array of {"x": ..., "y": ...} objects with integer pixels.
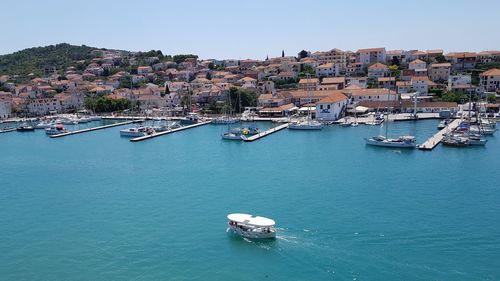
[{"x": 35, "y": 60}]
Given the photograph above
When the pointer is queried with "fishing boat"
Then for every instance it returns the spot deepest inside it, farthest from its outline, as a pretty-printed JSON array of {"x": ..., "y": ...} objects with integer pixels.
[
  {"x": 25, "y": 127},
  {"x": 134, "y": 132},
  {"x": 55, "y": 130},
  {"x": 191, "y": 118},
  {"x": 253, "y": 227}
]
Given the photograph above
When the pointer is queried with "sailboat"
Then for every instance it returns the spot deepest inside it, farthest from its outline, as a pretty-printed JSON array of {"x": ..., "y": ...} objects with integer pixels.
[
  {"x": 226, "y": 118},
  {"x": 230, "y": 134},
  {"x": 400, "y": 142},
  {"x": 309, "y": 123}
]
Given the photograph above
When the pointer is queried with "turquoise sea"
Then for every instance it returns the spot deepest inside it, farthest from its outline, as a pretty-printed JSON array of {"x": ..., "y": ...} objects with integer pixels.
[{"x": 95, "y": 206}]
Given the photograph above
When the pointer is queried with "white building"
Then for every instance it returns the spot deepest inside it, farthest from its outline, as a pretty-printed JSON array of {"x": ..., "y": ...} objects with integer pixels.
[
  {"x": 459, "y": 80},
  {"x": 371, "y": 94},
  {"x": 417, "y": 64},
  {"x": 490, "y": 80},
  {"x": 420, "y": 84},
  {"x": 439, "y": 71},
  {"x": 378, "y": 70},
  {"x": 330, "y": 107},
  {"x": 372, "y": 55},
  {"x": 43, "y": 106},
  {"x": 327, "y": 69},
  {"x": 5, "y": 107}
]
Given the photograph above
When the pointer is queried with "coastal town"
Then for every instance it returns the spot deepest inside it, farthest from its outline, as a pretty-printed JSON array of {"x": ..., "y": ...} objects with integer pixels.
[
  {"x": 306, "y": 91},
  {"x": 331, "y": 81}
]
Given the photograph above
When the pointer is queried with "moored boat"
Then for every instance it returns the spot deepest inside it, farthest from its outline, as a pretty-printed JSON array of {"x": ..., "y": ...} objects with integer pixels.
[
  {"x": 401, "y": 142},
  {"x": 134, "y": 132},
  {"x": 253, "y": 227},
  {"x": 306, "y": 125},
  {"x": 455, "y": 140},
  {"x": 191, "y": 118},
  {"x": 25, "y": 127},
  {"x": 55, "y": 130}
]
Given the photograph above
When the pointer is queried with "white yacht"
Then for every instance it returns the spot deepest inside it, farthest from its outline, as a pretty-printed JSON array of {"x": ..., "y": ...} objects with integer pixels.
[
  {"x": 306, "y": 125},
  {"x": 55, "y": 130},
  {"x": 401, "y": 142},
  {"x": 231, "y": 136},
  {"x": 253, "y": 227},
  {"x": 224, "y": 120},
  {"x": 134, "y": 132},
  {"x": 43, "y": 125},
  {"x": 191, "y": 118}
]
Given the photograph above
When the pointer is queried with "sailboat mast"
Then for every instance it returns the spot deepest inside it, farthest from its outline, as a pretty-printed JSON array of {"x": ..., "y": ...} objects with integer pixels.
[
  {"x": 387, "y": 112},
  {"x": 309, "y": 95}
]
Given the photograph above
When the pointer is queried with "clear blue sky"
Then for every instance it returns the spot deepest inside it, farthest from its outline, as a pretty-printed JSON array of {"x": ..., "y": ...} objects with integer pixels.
[{"x": 251, "y": 29}]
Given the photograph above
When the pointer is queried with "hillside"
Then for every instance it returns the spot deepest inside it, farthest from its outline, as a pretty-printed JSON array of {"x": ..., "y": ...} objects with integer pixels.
[{"x": 35, "y": 60}]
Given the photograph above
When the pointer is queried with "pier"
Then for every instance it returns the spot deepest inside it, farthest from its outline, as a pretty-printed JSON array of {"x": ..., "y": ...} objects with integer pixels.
[
  {"x": 266, "y": 133},
  {"x": 146, "y": 137},
  {"x": 438, "y": 137},
  {"x": 91, "y": 129},
  {"x": 7, "y": 130}
]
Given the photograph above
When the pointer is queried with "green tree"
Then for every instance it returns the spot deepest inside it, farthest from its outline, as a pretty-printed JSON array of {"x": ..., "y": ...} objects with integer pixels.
[
  {"x": 441, "y": 59},
  {"x": 492, "y": 99},
  {"x": 303, "y": 54},
  {"x": 306, "y": 69},
  {"x": 182, "y": 58}
]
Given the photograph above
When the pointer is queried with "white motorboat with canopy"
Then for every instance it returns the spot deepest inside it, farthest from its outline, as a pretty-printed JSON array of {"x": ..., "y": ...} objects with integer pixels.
[{"x": 253, "y": 227}]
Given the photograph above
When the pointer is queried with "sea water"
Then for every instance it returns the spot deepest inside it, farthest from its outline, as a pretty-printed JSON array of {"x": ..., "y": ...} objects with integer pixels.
[{"x": 95, "y": 206}]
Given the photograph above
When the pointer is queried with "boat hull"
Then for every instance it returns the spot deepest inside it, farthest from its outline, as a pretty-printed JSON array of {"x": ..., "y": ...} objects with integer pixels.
[
  {"x": 390, "y": 144},
  {"x": 304, "y": 127},
  {"x": 229, "y": 136},
  {"x": 252, "y": 234}
]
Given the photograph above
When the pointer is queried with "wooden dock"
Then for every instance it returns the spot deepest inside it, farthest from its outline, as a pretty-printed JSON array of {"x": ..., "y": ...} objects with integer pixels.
[
  {"x": 7, "y": 130},
  {"x": 169, "y": 131},
  {"x": 91, "y": 129},
  {"x": 266, "y": 133},
  {"x": 438, "y": 137}
]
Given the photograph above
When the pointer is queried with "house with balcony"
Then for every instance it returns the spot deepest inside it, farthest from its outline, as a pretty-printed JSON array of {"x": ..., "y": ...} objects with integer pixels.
[
  {"x": 371, "y": 55},
  {"x": 308, "y": 84},
  {"x": 387, "y": 82},
  {"x": 378, "y": 70},
  {"x": 439, "y": 72},
  {"x": 490, "y": 80}
]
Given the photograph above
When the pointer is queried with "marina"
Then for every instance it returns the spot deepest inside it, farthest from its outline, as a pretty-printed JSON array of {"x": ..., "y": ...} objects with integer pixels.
[
  {"x": 91, "y": 129},
  {"x": 154, "y": 135},
  {"x": 433, "y": 141},
  {"x": 145, "y": 203},
  {"x": 265, "y": 133}
]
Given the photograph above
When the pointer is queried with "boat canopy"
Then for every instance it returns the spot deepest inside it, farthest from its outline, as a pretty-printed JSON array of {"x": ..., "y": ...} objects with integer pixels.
[{"x": 251, "y": 220}]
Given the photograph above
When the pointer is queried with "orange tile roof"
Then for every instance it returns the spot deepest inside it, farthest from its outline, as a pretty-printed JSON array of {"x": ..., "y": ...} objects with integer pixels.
[
  {"x": 491, "y": 72},
  {"x": 333, "y": 97},
  {"x": 377, "y": 65}
]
